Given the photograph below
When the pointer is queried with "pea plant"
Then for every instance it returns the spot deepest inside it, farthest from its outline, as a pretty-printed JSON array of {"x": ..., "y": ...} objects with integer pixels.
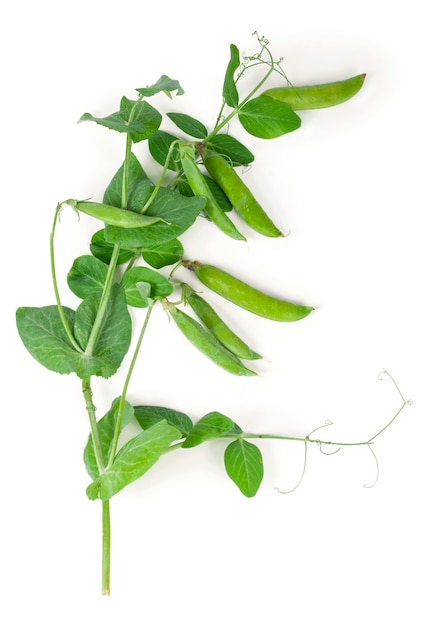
[{"x": 134, "y": 260}]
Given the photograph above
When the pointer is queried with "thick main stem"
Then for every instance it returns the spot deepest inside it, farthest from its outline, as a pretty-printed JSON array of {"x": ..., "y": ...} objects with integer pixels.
[
  {"x": 106, "y": 535},
  {"x": 106, "y": 547}
]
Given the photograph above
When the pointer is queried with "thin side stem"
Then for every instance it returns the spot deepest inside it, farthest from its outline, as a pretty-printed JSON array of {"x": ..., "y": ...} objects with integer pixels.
[
  {"x": 161, "y": 178},
  {"x": 99, "y": 319},
  {"x": 55, "y": 285},
  {"x": 125, "y": 387},
  {"x": 308, "y": 440}
]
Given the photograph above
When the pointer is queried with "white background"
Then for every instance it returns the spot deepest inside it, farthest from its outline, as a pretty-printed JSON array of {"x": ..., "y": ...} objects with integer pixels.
[{"x": 354, "y": 188}]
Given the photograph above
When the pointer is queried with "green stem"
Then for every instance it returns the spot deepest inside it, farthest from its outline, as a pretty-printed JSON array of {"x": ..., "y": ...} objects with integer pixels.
[
  {"x": 308, "y": 440},
  {"x": 87, "y": 393},
  {"x": 55, "y": 285},
  {"x": 124, "y": 197},
  {"x": 106, "y": 536},
  {"x": 161, "y": 178},
  {"x": 105, "y": 297},
  {"x": 118, "y": 424},
  {"x": 90, "y": 408},
  {"x": 106, "y": 547},
  {"x": 103, "y": 303}
]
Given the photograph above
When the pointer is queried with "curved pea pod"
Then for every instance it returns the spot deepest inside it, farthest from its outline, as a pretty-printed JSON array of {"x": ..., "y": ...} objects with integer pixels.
[
  {"x": 200, "y": 188},
  {"x": 317, "y": 96},
  {"x": 242, "y": 199},
  {"x": 219, "y": 328},
  {"x": 112, "y": 215},
  {"x": 206, "y": 343},
  {"x": 247, "y": 297}
]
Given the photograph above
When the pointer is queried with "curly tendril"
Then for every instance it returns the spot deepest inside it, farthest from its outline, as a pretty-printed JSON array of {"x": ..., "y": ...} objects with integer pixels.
[
  {"x": 367, "y": 485},
  {"x": 302, "y": 473},
  {"x": 339, "y": 445}
]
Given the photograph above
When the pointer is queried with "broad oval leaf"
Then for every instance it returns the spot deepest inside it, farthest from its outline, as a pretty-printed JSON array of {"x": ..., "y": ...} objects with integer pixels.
[
  {"x": 43, "y": 334},
  {"x": 232, "y": 149},
  {"x": 164, "y": 254},
  {"x": 210, "y": 426},
  {"x": 188, "y": 125},
  {"x": 136, "y": 457},
  {"x": 103, "y": 250},
  {"x": 140, "y": 195},
  {"x": 164, "y": 84},
  {"x": 147, "y": 416},
  {"x": 159, "y": 145},
  {"x": 137, "y": 118},
  {"x": 136, "y": 174},
  {"x": 267, "y": 118},
  {"x": 243, "y": 463},
  {"x": 159, "y": 286},
  {"x": 114, "y": 337},
  {"x": 106, "y": 430},
  {"x": 87, "y": 276}
]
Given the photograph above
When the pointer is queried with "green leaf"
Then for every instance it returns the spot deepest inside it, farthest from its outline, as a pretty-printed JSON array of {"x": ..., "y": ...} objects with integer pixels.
[
  {"x": 188, "y": 125},
  {"x": 211, "y": 426},
  {"x": 165, "y": 254},
  {"x": 267, "y": 118},
  {"x": 87, "y": 276},
  {"x": 159, "y": 145},
  {"x": 44, "y": 336},
  {"x": 136, "y": 457},
  {"x": 147, "y": 416},
  {"x": 230, "y": 92},
  {"x": 42, "y": 332},
  {"x": 103, "y": 250},
  {"x": 231, "y": 149},
  {"x": 92, "y": 491},
  {"x": 137, "y": 118},
  {"x": 135, "y": 175},
  {"x": 113, "y": 339},
  {"x": 164, "y": 84},
  {"x": 178, "y": 211},
  {"x": 159, "y": 286},
  {"x": 106, "y": 430},
  {"x": 243, "y": 462}
]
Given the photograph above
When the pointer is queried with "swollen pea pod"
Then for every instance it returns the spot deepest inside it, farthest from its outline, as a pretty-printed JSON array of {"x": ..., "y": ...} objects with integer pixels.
[
  {"x": 219, "y": 328},
  {"x": 206, "y": 343},
  {"x": 242, "y": 199},
  {"x": 199, "y": 187},
  {"x": 317, "y": 96},
  {"x": 112, "y": 215},
  {"x": 245, "y": 296}
]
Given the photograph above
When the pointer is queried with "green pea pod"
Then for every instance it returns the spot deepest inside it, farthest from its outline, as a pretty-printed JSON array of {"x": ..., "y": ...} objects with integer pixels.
[
  {"x": 242, "y": 199},
  {"x": 219, "y": 328},
  {"x": 206, "y": 343},
  {"x": 200, "y": 188},
  {"x": 317, "y": 96},
  {"x": 112, "y": 215},
  {"x": 245, "y": 296}
]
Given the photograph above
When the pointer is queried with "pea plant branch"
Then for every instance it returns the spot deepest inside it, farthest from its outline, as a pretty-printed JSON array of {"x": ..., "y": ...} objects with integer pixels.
[{"x": 136, "y": 256}]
